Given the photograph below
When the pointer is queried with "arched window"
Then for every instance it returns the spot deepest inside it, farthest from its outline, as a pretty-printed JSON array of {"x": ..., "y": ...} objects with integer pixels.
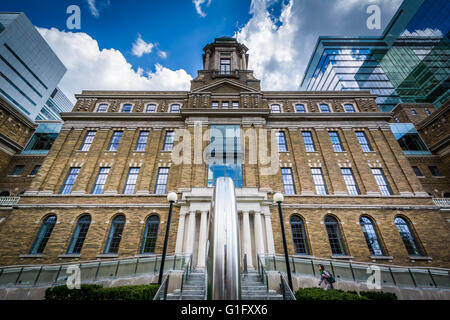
[
  {"x": 410, "y": 242},
  {"x": 335, "y": 236},
  {"x": 150, "y": 235},
  {"x": 76, "y": 243},
  {"x": 371, "y": 235},
  {"x": 299, "y": 236},
  {"x": 115, "y": 234},
  {"x": 43, "y": 235}
]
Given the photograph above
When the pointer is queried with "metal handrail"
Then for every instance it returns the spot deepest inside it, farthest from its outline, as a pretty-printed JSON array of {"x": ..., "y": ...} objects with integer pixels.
[
  {"x": 186, "y": 272},
  {"x": 163, "y": 288},
  {"x": 263, "y": 274},
  {"x": 285, "y": 289}
]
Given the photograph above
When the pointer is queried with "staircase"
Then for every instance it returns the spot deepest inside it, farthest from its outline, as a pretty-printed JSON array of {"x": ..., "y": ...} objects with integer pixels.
[
  {"x": 253, "y": 288},
  {"x": 193, "y": 288}
]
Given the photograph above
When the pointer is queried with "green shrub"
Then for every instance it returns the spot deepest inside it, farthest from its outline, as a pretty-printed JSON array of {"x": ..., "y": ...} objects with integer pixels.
[
  {"x": 97, "y": 292},
  {"x": 378, "y": 295},
  {"x": 321, "y": 294}
]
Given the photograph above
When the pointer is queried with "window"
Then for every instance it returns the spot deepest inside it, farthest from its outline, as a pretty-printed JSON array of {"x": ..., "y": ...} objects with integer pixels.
[
  {"x": 349, "y": 107},
  {"x": 281, "y": 142},
  {"x": 300, "y": 108},
  {"x": 35, "y": 170},
  {"x": 299, "y": 235},
  {"x": 321, "y": 188},
  {"x": 126, "y": 108},
  {"x": 142, "y": 141},
  {"x": 17, "y": 171},
  {"x": 115, "y": 235},
  {"x": 70, "y": 181},
  {"x": 434, "y": 171},
  {"x": 365, "y": 145},
  {"x": 225, "y": 66},
  {"x": 87, "y": 142},
  {"x": 324, "y": 108},
  {"x": 102, "y": 108},
  {"x": 174, "y": 108},
  {"x": 235, "y": 105},
  {"x": 410, "y": 242},
  {"x": 214, "y": 105},
  {"x": 150, "y": 235},
  {"x": 288, "y": 181},
  {"x": 276, "y": 108},
  {"x": 408, "y": 138},
  {"x": 335, "y": 141},
  {"x": 150, "y": 108},
  {"x": 168, "y": 141},
  {"x": 79, "y": 235},
  {"x": 335, "y": 236},
  {"x": 381, "y": 181},
  {"x": 225, "y": 105},
  {"x": 371, "y": 236},
  {"x": 43, "y": 235},
  {"x": 130, "y": 184},
  {"x": 115, "y": 140},
  {"x": 161, "y": 181},
  {"x": 350, "y": 181},
  {"x": 414, "y": 113},
  {"x": 417, "y": 171},
  {"x": 427, "y": 112},
  {"x": 101, "y": 180},
  {"x": 308, "y": 141}
]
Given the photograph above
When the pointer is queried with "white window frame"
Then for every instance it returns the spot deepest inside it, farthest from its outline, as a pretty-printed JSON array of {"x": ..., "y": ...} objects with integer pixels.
[
  {"x": 153, "y": 104},
  {"x": 329, "y": 107},
  {"x": 276, "y": 104},
  {"x": 124, "y": 104},
  {"x": 100, "y": 104},
  {"x": 354, "y": 107},
  {"x": 172, "y": 104}
]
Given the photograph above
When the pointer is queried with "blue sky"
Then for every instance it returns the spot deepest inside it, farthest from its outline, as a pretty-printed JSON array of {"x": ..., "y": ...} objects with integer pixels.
[{"x": 168, "y": 37}]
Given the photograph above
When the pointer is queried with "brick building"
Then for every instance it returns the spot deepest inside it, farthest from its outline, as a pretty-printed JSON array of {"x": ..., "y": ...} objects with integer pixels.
[{"x": 350, "y": 192}]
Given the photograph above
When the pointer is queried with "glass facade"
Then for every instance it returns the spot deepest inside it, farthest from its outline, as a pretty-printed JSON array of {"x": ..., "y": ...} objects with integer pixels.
[
  {"x": 43, "y": 138},
  {"x": 408, "y": 138}
]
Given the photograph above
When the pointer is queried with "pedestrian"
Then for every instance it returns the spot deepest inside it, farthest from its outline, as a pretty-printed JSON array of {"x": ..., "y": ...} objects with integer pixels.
[{"x": 326, "y": 277}]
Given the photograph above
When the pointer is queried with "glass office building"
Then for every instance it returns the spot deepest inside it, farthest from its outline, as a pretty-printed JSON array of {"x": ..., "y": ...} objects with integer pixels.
[{"x": 408, "y": 63}]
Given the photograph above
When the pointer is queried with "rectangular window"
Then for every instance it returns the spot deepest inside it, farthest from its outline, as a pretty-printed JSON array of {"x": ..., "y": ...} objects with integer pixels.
[
  {"x": 350, "y": 181},
  {"x": 161, "y": 181},
  {"x": 214, "y": 105},
  {"x": 101, "y": 180},
  {"x": 126, "y": 108},
  {"x": 417, "y": 171},
  {"x": 168, "y": 141},
  {"x": 308, "y": 141},
  {"x": 282, "y": 147},
  {"x": 17, "y": 171},
  {"x": 70, "y": 181},
  {"x": 319, "y": 182},
  {"x": 142, "y": 141},
  {"x": 175, "y": 108},
  {"x": 365, "y": 145},
  {"x": 225, "y": 105},
  {"x": 130, "y": 184},
  {"x": 276, "y": 108},
  {"x": 435, "y": 171},
  {"x": 335, "y": 141},
  {"x": 235, "y": 105},
  {"x": 300, "y": 108},
  {"x": 35, "y": 170},
  {"x": 87, "y": 142},
  {"x": 150, "y": 108},
  {"x": 349, "y": 107},
  {"x": 288, "y": 181},
  {"x": 225, "y": 66},
  {"x": 324, "y": 108},
  {"x": 102, "y": 108},
  {"x": 115, "y": 140},
  {"x": 381, "y": 181}
]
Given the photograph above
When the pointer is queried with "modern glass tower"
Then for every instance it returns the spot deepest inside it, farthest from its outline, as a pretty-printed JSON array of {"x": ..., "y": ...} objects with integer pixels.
[{"x": 408, "y": 63}]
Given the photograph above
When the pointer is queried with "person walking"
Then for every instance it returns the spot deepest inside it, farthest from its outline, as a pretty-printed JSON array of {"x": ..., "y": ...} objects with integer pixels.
[{"x": 326, "y": 277}]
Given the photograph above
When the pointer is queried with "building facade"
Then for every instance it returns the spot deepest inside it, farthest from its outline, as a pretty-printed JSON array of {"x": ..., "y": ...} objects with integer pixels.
[{"x": 350, "y": 192}]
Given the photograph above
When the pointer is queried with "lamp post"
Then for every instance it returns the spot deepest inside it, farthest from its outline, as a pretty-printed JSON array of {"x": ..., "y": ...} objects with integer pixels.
[
  {"x": 171, "y": 197},
  {"x": 278, "y": 198}
]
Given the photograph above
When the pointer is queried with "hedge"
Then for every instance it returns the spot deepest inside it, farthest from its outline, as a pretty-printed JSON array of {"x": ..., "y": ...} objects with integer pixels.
[
  {"x": 321, "y": 294},
  {"x": 97, "y": 292}
]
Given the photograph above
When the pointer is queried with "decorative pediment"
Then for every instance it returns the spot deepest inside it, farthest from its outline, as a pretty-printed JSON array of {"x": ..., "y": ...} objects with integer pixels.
[{"x": 225, "y": 86}]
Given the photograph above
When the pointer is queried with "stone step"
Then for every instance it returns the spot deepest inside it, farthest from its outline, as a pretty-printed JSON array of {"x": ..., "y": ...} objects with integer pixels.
[{"x": 189, "y": 292}]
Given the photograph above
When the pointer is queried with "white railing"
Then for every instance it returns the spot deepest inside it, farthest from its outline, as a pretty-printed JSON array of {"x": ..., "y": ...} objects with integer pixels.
[
  {"x": 442, "y": 202},
  {"x": 8, "y": 201}
]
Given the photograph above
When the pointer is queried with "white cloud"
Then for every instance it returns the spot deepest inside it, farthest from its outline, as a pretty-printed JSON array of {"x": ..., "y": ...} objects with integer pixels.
[
  {"x": 93, "y": 8},
  {"x": 198, "y": 6},
  {"x": 162, "y": 54},
  {"x": 96, "y": 5},
  {"x": 89, "y": 68},
  {"x": 140, "y": 47}
]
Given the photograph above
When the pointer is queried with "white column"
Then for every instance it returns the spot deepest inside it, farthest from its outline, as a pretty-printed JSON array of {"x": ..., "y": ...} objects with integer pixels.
[
  {"x": 247, "y": 242},
  {"x": 202, "y": 240},
  {"x": 269, "y": 234},
  {"x": 191, "y": 233},
  {"x": 259, "y": 241},
  {"x": 180, "y": 233}
]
